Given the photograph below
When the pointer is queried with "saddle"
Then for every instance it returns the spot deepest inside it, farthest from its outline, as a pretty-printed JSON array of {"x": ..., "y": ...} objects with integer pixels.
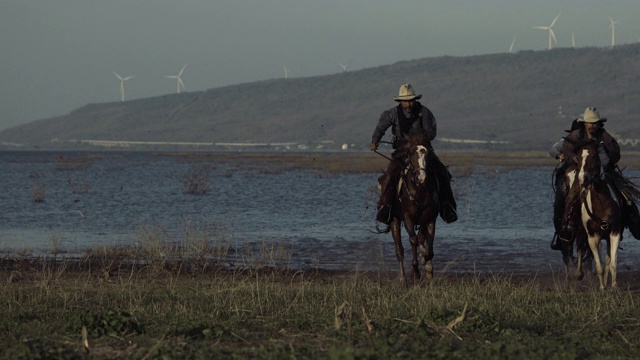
[{"x": 625, "y": 192}]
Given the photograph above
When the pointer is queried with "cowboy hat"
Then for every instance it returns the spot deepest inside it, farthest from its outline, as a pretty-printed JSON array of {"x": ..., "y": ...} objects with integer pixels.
[
  {"x": 406, "y": 93},
  {"x": 591, "y": 115}
]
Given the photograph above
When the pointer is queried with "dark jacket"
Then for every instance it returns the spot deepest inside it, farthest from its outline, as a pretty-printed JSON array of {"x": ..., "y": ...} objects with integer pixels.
[
  {"x": 577, "y": 139},
  {"x": 400, "y": 125}
]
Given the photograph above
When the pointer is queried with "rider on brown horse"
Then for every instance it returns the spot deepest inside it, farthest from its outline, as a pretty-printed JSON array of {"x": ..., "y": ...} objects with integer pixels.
[
  {"x": 407, "y": 117},
  {"x": 592, "y": 130}
]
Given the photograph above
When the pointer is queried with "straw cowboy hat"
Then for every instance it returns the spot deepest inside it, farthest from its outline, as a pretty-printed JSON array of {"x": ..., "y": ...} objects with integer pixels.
[
  {"x": 591, "y": 115},
  {"x": 406, "y": 93}
]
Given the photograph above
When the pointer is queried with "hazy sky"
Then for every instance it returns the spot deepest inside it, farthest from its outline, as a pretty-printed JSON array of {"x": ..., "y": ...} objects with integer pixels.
[{"x": 58, "y": 55}]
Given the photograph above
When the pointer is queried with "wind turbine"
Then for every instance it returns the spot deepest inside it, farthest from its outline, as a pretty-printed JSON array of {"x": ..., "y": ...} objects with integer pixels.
[
  {"x": 286, "y": 72},
  {"x": 613, "y": 31},
  {"x": 178, "y": 79},
  {"x": 552, "y": 35},
  {"x": 122, "y": 80},
  {"x": 344, "y": 67},
  {"x": 513, "y": 42},
  {"x": 573, "y": 40}
]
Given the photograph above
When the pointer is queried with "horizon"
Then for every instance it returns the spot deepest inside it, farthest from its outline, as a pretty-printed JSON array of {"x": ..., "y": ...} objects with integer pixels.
[{"x": 63, "y": 57}]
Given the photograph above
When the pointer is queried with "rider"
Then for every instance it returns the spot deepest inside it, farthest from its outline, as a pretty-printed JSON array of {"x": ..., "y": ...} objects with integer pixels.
[
  {"x": 592, "y": 130},
  {"x": 560, "y": 187},
  {"x": 407, "y": 117}
]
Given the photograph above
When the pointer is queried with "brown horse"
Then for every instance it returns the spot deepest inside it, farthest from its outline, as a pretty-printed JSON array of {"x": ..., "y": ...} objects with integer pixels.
[
  {"x": 416, "y": 206},
  {"x": 600, "y": 213}
]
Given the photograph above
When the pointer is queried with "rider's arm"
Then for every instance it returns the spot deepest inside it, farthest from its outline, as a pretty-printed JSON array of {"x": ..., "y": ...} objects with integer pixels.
[
  {"x": 611, "y": 147},
  {"x": 386, "y": 121},
  {"x": 556, "y": 149}
]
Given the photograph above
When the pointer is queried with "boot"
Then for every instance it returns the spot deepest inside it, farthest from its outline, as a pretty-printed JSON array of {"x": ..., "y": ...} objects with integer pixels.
[
  {"x": 571, "y": 215},
  {"x": 555, "y": 244},
  {"x": 448, "y": 213},
  {"x": 386, "y": 199},
  {"x": 558, "y": 212},
  {"x": 384, "y": 214},
  {"x": 631, "y": 218}
]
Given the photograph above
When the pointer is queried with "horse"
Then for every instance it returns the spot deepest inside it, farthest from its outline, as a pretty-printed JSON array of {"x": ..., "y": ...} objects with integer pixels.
[
  {"x": 416, "y": 206},
  {"x": 600, "y": 213}
]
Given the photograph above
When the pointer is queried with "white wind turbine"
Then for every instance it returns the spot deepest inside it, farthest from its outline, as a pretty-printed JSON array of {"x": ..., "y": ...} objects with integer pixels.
[
  {"x": 613, "y": 31},
  {"x": 552, "y": 35},
  {"x": 122, "y": 80},
  {"x": 573, "y": 40},
  {"x": 178, "y": 79},
  {"x": 513, "y": 42},
  {"x": 286, "y": 72},
  {"x": 344, "y": 66}
]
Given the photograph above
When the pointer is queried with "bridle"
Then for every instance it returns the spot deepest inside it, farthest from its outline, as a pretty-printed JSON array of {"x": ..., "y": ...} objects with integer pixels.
[{"x": 415, "y": 172}]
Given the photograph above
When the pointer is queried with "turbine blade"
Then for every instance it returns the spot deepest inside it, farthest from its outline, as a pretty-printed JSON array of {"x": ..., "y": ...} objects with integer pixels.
[
  {"x": 553, "y": 35},
  {"x": 128, "y": 77},
  {"x": 181, "y": 70},
  {"x": 554, "y": 20},
  {"x": 118, "y": 76}
]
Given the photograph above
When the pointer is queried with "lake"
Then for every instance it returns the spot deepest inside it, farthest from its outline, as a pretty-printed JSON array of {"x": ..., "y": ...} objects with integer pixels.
[{"x": 324, "y": 220}]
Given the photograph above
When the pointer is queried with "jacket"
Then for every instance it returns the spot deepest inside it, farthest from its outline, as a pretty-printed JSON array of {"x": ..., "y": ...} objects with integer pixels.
[
  {"x": 400, "y": 125},
  {"x": 607, "y": 145}
]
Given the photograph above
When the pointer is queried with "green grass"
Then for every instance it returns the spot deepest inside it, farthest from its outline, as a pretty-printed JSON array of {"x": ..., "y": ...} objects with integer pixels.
[{"x": 143, "y": 312}]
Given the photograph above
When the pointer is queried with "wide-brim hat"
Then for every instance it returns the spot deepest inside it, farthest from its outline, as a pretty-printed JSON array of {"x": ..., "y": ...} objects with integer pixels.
[
  {"x": 406, "y": 93},
  {"x": 591, "y": 115}
]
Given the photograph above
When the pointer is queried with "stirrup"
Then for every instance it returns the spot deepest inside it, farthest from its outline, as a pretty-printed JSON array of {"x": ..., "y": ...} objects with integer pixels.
[
  {"x": 565, "y": 234},
  {"x": 555, "y": 244}
]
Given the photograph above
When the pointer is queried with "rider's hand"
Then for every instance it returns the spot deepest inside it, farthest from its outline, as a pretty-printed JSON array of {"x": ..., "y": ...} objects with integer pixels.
[
  {"x": 561, "y": 157},
  {"x": 374, "y": 146}
]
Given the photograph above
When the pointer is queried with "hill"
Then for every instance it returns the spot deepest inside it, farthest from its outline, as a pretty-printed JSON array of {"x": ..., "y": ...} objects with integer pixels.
[{"x": 526, "y": 99}]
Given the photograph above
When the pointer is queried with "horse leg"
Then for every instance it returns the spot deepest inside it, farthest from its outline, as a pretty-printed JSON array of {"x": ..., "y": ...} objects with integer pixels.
[
  {"x": 567, "y": 255},
  {"x": 594, "y": 244},
  {"x": 413, "y": 239},
  {"x": 612, "y": 258},
  {"x": 395, "y": 232},
  {"x": 426, "y": 247},
  {"x": 581, "y": 242}
]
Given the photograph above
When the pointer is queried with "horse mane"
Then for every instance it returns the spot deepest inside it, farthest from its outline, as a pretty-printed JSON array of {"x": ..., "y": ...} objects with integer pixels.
[{"x": 419, "y": 138}]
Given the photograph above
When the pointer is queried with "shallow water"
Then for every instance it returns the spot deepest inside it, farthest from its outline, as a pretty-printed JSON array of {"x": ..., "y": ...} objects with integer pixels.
[{"x": 323, "y": 220}]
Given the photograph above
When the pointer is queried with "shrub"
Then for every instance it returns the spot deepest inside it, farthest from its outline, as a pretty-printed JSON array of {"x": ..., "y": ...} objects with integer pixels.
[{"x": 197, "y": 179}]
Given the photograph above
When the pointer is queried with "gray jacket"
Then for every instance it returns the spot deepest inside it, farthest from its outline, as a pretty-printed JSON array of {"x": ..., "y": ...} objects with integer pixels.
[{"x": 400, "y": 125}]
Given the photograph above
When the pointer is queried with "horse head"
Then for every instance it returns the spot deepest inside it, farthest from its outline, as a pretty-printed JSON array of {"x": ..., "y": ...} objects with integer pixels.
[{"x": 419, "y": 150}]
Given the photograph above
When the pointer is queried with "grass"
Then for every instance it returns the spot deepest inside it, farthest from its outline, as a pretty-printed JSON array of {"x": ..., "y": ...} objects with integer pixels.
[
  {"x": 138, "y": 313},
  {"x": 198, "y": 296}
]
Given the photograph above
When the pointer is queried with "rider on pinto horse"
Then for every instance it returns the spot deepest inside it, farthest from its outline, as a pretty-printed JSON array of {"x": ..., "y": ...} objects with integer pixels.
[
  {"x": 407, "y": 117},
  {"x": 590, "y": 128}
]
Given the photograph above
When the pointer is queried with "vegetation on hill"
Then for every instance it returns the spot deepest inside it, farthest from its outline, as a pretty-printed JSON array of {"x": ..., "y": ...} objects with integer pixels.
[{"x": 527, "y": 99}]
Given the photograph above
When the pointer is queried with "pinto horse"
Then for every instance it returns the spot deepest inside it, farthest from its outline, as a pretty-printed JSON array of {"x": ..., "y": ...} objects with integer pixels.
[
  {"x": 416, "y": 207},
  {"x": 600, "y": 213}
]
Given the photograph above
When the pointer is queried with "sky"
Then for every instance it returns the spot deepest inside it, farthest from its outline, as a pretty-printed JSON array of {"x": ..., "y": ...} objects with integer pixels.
[{"x": 59, "y": 55}]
